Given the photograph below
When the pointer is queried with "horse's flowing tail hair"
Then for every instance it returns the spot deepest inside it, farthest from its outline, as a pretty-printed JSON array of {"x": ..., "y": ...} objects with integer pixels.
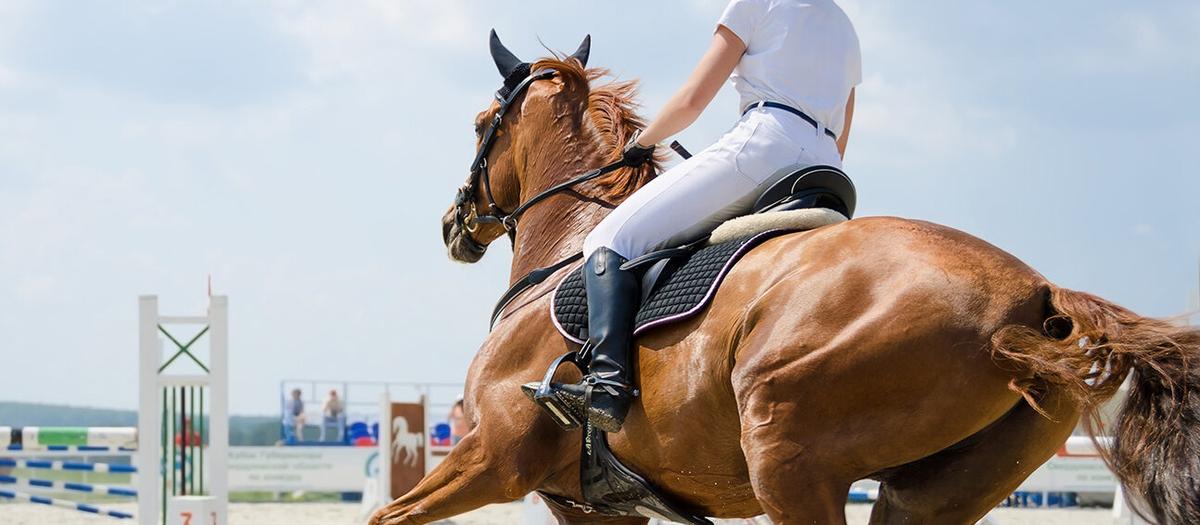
[{"x": 1086, "y": 348}]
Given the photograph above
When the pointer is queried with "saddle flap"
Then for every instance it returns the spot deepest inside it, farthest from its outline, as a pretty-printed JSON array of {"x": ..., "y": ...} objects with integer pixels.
[{"x": 650, "y": 278}]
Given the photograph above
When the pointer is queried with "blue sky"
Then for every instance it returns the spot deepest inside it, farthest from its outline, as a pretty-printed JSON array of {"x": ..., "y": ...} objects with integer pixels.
[{"x": 302, "y": 153}]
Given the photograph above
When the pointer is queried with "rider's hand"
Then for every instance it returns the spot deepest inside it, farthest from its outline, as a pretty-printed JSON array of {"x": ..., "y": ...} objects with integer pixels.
[{"x": 636, "y": 154}]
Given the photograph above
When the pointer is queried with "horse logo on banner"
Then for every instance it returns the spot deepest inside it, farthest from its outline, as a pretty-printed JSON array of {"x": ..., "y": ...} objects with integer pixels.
[{"x": 405, "y": 441}]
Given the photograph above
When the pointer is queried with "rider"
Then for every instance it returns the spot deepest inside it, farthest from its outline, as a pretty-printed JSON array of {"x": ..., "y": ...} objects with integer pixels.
[{"x": 794, "y": 64}]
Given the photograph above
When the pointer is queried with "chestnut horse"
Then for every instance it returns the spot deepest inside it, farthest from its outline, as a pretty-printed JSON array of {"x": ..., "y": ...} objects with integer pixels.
[{"x": 880, "y": 347}]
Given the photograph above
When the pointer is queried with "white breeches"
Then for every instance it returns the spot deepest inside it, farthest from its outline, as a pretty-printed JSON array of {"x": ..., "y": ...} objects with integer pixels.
[{"x": 717, "y": 184}]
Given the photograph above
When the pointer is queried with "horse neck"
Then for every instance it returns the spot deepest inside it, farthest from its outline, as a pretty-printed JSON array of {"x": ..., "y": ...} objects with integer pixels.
[{"x": 554, "y": 229}]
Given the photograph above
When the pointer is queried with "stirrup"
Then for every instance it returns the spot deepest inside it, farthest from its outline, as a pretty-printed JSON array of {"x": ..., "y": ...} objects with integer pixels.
[{"x": 567, "y": 416}]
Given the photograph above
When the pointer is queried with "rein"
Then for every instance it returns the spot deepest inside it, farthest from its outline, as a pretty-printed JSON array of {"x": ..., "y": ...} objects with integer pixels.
[{"x": 534, "y": 277}]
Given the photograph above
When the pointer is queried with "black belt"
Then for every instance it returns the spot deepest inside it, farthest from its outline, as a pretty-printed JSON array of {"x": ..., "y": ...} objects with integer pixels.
[{"x": 792, "y": 110}]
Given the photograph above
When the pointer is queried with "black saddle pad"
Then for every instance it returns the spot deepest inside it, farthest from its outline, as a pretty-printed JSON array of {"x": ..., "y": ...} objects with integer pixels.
[{"x": 682, "y": 291}]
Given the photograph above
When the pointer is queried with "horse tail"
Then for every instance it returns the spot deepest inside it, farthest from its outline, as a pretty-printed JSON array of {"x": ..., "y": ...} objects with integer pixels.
[{"x": 1086, "y": 347}]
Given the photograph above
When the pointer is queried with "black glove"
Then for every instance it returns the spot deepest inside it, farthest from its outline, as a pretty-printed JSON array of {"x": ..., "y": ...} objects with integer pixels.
[{"x": 635, "y": 154}]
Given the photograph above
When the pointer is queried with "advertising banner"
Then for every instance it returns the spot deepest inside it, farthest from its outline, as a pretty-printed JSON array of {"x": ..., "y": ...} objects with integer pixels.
[
  {"x": 286, "y": 469},
  {"x": 1071, "y": 474}
]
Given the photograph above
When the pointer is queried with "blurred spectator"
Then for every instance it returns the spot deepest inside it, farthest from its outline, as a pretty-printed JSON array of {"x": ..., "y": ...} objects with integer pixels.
[
  {"x": 458, "y": 422},
  {"x": 193, "y": 437},
  {"x": 293, "y": 418},
  {"x": 333, "y": 416}
]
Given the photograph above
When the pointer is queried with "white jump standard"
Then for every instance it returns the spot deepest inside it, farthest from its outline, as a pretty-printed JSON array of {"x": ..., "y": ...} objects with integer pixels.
[{"x": 189, "y": 450}]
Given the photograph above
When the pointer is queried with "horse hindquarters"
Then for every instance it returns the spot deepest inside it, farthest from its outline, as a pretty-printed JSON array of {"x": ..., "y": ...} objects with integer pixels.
[
  {"x": 1085, "y": 349},
  {"x": 855, "y": 367}
]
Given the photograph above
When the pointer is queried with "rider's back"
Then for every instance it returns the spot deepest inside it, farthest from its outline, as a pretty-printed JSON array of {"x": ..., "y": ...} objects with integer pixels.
[{"x": 801, "y": 53}]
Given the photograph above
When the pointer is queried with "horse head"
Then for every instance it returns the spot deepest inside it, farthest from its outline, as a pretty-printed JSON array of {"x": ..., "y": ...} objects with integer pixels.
[{"x": 513, "y": 130}]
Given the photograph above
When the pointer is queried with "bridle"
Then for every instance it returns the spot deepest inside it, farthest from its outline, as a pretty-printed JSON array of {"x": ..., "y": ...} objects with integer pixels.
[{"x": 466, "y": 214}]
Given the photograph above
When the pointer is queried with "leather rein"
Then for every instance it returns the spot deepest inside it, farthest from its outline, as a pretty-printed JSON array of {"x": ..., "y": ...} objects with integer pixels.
[{"x": 467, "y": 216}]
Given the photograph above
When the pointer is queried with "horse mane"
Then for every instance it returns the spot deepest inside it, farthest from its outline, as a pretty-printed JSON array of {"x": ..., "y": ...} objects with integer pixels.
[{"x": 612, "y": 111}]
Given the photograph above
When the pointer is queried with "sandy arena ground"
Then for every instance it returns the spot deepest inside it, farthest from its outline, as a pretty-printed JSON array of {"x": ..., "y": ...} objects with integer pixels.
[{"x": 512, "y": 513}]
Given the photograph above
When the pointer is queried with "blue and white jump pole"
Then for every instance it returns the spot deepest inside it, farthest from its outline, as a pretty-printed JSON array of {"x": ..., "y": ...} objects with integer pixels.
[
  {"x": 179, "y": 449},
  {"x": 62, "y": 503}
]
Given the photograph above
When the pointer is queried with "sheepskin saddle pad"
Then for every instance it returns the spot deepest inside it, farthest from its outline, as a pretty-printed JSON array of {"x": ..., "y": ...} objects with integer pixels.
[{"x": 679, "y": 283}]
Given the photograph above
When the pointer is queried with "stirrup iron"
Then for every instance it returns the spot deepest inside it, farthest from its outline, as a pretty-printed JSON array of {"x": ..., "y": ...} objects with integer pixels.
[{"x": 567, "y": 416}]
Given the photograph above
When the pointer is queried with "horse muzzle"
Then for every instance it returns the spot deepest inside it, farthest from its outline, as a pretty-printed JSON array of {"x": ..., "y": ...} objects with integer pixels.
[{"x": 460, "y": 246}]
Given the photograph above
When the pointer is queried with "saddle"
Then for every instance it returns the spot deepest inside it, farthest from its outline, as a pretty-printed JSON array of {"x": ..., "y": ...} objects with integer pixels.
[{"x": 678, "y": 283}]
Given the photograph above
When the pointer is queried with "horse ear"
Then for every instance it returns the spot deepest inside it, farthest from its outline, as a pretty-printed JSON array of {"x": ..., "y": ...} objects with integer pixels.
[
  {"x": 584, "y": 50},
  {"x": 506, "y": 62}
]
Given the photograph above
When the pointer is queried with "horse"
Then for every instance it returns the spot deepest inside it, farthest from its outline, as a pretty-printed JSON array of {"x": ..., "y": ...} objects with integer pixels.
[{"x": 879, "y": 347}]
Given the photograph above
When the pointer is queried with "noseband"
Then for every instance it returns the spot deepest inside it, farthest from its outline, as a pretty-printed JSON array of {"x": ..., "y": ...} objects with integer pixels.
[{"x": 466, "y": 216}]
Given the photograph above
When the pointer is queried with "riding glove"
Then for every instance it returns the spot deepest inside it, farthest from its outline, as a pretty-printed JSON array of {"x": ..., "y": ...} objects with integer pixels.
[{"x": 635, "y": 154}]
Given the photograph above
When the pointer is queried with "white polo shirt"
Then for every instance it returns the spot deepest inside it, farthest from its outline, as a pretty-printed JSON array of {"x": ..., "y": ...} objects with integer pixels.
[{"x": 803, "y": 53}]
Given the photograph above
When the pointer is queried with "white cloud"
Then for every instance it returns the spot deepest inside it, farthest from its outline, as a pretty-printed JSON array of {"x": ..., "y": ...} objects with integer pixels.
[
  {"x": 8, "y": 78},
  {"x": 12, "y": 12},
  {"x": 64, "y": 217},
  {"x": 707, "y": 6},
  {"x": 921, "y": 119},
  {"x": 1139, "y": 40},
  {"x": 360, "y": 39},
  {"x": 911, "y": 100},
  {"x": 12, "y": 15}
]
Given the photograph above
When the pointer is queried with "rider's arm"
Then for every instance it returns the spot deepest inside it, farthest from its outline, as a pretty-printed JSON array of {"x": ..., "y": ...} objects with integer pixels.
[
  {"x": 686, "y": 104},
  {"x": 845, "y": 136}
]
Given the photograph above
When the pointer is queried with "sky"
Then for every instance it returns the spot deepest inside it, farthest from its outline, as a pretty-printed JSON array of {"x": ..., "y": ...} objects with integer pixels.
[{"x": 302, "y": 154}]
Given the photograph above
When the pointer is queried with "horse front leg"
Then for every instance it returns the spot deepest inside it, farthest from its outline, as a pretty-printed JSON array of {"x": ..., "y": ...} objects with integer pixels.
[
  {"x": 485, "y": 467},
  {"x": 467, "y": 479}
]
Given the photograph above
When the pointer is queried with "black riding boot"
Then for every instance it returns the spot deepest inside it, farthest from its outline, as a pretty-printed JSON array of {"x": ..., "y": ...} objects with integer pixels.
[
  {"x": 612, "y": 296},
  {"x": 606, "y": 392}
]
